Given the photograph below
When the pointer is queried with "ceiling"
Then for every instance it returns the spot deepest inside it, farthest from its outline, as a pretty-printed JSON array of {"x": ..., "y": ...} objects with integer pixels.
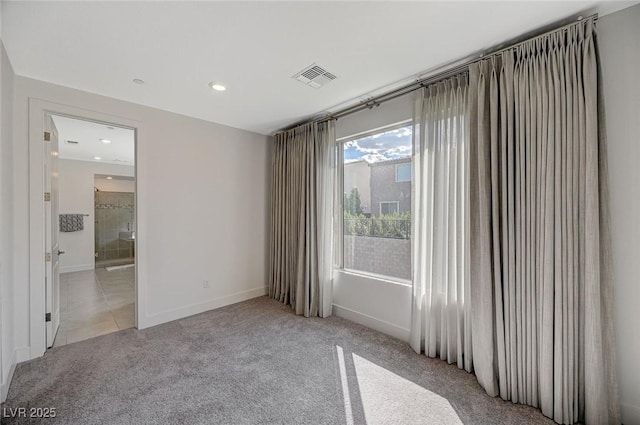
[
  {"x": 254, "y": 48},
  {"x": 88, "y": 134}
]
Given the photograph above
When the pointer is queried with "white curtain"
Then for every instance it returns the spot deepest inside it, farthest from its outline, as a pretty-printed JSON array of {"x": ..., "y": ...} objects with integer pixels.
[
  {"x": 327, "y": 192},
  {"x": 302, "y": 200},
  {"x": 440, "y": 311}
]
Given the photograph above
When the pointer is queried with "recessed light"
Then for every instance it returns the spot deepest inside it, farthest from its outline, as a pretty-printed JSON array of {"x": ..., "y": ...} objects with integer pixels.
[
  {"x": 217, "y": 86},
  {"x": 138, "y": 81},
  {"x": 97, "y": 158},
  {"x": 105, "y": 141},
  {"x": 109, "y": 178}
]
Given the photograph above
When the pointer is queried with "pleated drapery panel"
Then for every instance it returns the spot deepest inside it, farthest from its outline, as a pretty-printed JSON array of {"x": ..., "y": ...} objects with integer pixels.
[
  {"x": 301, "y": 237},
  {"x": 441, "y": 294},
  {"x": 540, "y": 263}
]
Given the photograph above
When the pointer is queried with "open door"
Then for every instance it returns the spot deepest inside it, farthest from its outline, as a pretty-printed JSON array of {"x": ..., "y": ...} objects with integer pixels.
[{"x": 52, "y": 251}]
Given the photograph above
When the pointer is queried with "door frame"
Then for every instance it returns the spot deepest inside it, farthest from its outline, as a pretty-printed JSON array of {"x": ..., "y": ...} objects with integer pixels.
[{"x": 38, "y": 110}]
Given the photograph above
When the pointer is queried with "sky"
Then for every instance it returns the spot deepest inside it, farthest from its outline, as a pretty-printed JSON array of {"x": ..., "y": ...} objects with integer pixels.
[{"x": 392, "y": 144}]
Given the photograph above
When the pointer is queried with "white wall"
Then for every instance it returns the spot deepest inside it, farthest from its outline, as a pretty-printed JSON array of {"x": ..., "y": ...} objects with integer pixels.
[
  {"x": 619, "y": 41},
  {"x": 391, "y": 112},
  {"x": 7, "y": 345},
  {"x": 77, "y": 197},
  {"x": 115, "y": 185},
  {"x": 375, "y": 302},
  {"x": 202, "y": 205}
]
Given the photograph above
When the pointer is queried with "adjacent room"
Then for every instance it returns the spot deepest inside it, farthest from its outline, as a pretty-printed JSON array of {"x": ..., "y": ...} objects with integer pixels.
[
  {"x": 322, "y": 212},
  {"x": 97, "y": 222}
]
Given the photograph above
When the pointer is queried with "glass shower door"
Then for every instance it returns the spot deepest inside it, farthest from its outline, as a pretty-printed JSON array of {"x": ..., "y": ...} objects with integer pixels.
[{"x": 115, "y": 228}]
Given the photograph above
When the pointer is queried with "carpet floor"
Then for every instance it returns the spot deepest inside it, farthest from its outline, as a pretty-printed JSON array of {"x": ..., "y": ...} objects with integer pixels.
[{"x": 253, "y": 362}]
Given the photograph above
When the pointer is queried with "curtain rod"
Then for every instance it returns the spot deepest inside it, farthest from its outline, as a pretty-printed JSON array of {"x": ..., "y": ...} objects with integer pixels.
[{"x": 434, "y": 77}]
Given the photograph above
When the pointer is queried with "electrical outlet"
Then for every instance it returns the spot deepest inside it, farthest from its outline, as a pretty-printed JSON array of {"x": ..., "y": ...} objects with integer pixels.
[{"x": 205, "y": 283}]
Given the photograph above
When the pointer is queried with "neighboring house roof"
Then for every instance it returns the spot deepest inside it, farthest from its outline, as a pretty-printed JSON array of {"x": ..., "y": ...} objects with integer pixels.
[{"x": 391, "y": 161}]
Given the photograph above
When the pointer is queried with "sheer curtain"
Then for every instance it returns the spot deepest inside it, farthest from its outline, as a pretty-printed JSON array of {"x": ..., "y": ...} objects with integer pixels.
[
  {"x": 302, "y": 199},
  {"x": 540, "y": 264},
  {"x": 441, "y": 312}
]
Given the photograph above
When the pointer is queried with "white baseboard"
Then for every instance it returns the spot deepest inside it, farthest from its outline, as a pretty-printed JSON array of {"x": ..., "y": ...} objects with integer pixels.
[
  {"x": 190, "y": 310},
  {"x": 6, "y": 380},
  {"x": 371, "y": 322},
  {"x": 630, "y": 414},
  {"x": 78, "y": 268}
]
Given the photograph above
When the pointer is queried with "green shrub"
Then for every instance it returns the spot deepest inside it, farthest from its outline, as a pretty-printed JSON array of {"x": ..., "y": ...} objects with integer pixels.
[{"x": 396, "y": 225}]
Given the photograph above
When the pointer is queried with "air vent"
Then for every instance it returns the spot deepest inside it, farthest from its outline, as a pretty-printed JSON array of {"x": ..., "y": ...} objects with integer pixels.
[
  {"x": 72, "y": 142},
  {"x": 314, "y": 76}
]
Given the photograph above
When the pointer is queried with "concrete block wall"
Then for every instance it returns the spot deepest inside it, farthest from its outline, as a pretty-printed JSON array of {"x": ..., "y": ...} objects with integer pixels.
[{"x": 383, "y": 256}]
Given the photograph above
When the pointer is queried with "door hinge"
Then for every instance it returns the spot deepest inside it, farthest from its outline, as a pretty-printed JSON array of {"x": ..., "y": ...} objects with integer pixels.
[
  {"x": 47, "y": 317},
  {"x": 47, "y": 136},
  {"x": 47, "y": 196},
  {"x": 47, "y": 256}
]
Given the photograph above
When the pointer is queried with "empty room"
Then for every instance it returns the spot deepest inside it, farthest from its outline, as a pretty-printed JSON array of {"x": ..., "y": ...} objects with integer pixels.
[{"x": 319, "y": 212}]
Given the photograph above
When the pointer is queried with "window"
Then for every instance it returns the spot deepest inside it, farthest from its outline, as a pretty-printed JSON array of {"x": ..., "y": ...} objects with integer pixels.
[
  {"x": 389, "y": 207},
  {"x": 377, "y": 202},
  {"x": 403, "y": 172}
]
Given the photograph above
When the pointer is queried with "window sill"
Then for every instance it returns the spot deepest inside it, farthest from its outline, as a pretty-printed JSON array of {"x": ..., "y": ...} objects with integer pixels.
[{"x": 380, "y": 278}]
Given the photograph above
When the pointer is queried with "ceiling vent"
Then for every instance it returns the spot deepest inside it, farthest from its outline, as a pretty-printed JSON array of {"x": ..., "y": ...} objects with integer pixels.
[
  {"x": 314, "y": 76},
  {"x": 72, "y": 142}
]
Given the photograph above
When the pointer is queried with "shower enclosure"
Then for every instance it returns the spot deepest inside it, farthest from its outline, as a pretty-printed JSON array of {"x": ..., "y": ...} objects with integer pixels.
[{"x": 115, "y": 228}]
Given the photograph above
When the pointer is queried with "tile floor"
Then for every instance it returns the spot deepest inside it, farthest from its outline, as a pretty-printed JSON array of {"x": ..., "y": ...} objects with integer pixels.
[{"x": 94, "y": 303}]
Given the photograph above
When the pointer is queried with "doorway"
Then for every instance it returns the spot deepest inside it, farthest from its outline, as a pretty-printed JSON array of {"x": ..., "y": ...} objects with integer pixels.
[
  {"x": 39, "y": 111},
  {"x": 96, "y": 227}
]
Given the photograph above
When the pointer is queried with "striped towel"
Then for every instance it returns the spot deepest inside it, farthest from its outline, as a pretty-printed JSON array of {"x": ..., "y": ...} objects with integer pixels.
[{"x": 71, "y": 222}]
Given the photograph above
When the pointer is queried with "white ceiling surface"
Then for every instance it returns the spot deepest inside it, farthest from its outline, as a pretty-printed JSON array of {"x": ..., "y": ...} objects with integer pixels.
[
  {"x": 120, "y": 151},
  {"x": 255, "y": 48}
]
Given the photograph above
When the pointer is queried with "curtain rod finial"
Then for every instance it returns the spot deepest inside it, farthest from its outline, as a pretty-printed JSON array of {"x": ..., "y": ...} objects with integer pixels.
[{"x": 580, "y": 18}]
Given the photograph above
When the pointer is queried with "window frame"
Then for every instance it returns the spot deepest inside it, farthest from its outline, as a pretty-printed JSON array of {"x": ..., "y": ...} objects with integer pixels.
[
  {"x": 339, "y": 205},
  {"x": 397, "y": 203}
]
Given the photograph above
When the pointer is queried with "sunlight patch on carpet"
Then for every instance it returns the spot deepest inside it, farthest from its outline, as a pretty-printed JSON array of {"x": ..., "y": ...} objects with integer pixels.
[
  {"x": 345, "y": 387},
  {"x": 389, "y": 398}
]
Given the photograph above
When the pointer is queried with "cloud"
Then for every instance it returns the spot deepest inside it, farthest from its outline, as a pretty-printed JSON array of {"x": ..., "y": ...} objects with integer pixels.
[
  {"x": 375, "y": 157},
  {"x": 393, "y": 144}
]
